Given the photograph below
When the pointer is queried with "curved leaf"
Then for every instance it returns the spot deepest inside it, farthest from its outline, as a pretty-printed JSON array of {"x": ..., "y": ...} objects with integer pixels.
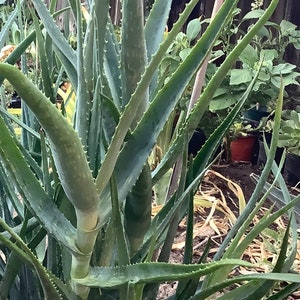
[
  {"x": 152, "y": 272},
  {"x": 66, "y": 147},
  {"x": 33, "y": 194},
  {"x": 154, "y": 119}
]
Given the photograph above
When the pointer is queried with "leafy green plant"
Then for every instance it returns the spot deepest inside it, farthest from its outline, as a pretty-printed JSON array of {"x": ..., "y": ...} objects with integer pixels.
[
  {"x": 289, "y": 136},
  {"x": 268, "y": 45},
  {"x": 239, "y": 129},
  {"x": 77, "y": 208}
]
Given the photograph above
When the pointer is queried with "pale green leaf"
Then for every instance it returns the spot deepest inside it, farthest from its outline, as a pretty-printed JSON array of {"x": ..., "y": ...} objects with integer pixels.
[
  {"x": 240, "y": 76},
  {"x": 193, "y": 29}
]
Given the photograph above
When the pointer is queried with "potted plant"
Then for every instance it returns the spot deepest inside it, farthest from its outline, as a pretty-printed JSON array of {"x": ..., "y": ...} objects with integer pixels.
[
  {"x": 268, "y": 46},
  {"x": 289, "y": 138},
  {"x": 241, "y": 141}
]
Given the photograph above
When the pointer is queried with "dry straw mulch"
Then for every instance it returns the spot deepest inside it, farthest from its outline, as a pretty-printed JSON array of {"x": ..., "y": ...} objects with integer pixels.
[{"x": 217, "y": 204}]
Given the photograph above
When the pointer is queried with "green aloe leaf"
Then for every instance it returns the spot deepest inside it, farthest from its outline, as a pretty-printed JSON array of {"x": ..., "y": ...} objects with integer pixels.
[
  {"x": 13, "y": 265},
  {"x": 83, "y": 101},
  {"x": 137, "y": 211},
  {"x": 6, "y": 179},
  {"x": 234, "y": 237},
  {"x": 7, "y": 27},
  {"x": 63, "y": 49},
  {"x": 254, "y": 278},
  {"x": 160, "y": 223},
  {"x": 151, "y": 272},
  {"x": 154, "y": 30},
  {"x": 45, "y": 68},
  {"x": 131, "y": 110},
  {"x": 49, "y": 289},
  {"x": 95, "y": 38},
  {"x": 33, "y": 194},
  {"x": 133, "y": 59},
  {"x": 67, "y": 149},
  {"x": 156, "y": 116},
  {"x": 112, "y": 65},
  {"x": 119, "y": 232}
]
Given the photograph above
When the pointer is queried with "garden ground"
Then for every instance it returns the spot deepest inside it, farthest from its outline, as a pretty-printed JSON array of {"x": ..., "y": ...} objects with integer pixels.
[{"x": 221, "y": 185}]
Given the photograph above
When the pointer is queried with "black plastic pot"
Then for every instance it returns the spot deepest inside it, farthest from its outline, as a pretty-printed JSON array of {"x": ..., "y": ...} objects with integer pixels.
[
  {"x": 196, "y": 142},
  {"x": 15, "y": 102},
  {"x": 255, "y": 115},
  {"x": 262, "y": 158},
  {"x": 292, "y": 169}
]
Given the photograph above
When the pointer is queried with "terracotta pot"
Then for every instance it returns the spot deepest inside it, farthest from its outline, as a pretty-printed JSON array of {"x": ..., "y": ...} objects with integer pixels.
[{"x": 241, "y": 149}]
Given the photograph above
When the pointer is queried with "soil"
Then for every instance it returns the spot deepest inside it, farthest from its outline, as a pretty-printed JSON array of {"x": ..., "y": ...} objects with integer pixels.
[{"x": 238, "y": 173}]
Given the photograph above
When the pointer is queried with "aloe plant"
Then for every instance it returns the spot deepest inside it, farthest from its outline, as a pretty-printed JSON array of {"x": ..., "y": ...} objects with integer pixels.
[{"x": 87, "y": 198}]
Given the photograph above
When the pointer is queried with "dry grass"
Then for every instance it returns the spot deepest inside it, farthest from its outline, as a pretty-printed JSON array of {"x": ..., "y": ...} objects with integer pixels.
[{"x": 217, "y": 204}]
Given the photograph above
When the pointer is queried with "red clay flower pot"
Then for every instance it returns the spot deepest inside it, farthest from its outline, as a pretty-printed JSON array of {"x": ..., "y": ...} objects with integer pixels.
[{"x": 241, "y": 149}]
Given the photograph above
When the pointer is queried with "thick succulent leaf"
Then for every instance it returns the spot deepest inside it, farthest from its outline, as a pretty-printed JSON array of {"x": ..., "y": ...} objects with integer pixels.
[
  {"x": 155, "y": 25},
  {"x": 95, "y": 39},
  {"x": 154, "y": 30},
  {"x": 7, "y": 26},
  {"x": 151, "y": 272},
  {"x": 45, "y": 68},
  {"x": 66, "y": 147},
  {"x": 133, "y": 51},
  {"x": 132, "y": 108},
  {"x": 63, "y": 49},
  {"x": 34, "y": 196},
  {"x": 94, "y": 149},
  {"x": 137, "y": 212},
  {"x": 21, "y": 249},
  {"x": 255, "y": 277},
  {"x": 208, "y": 93},
  {"x": 266, "y": 170},
  {"x": 246, "y": 216},
  {"x": 118, "y": 227},
  {"x": 161, "y": 221},
  {"x": 112, "y": 65},
  {"x": 13, "y": 265},
  {"x": 172, "y": 228},
  {"x": 153, "y": 121},
  {"x": 6, "y": 180},
  {"x": 83, "y": 100}
]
